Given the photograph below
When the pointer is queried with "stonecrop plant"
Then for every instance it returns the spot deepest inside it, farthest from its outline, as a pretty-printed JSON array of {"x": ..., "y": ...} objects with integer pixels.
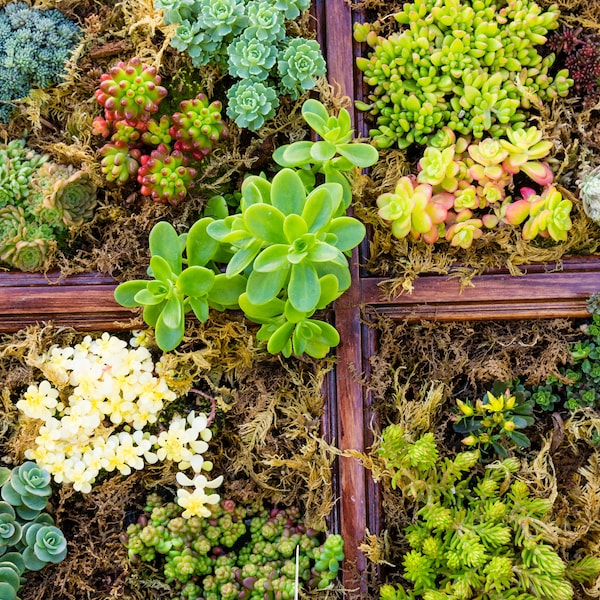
[
  {"x": 493, "y": 422},
  {"x": 474, "y": 536},
  {"x": 464, "y": 187},
  {"x": 40, "y": 203},
  {"x": 470, "y": 65},
  {"x": 248, "y": 40},
  {"x": 29, "y": 539},
  {"x": 98, "y": 410},
  {"x": 34, "y": 48},
  {"x": 237, "y": 551},
  {"x": 162, "y": 151},
  {"x": 283, "y": 254}
]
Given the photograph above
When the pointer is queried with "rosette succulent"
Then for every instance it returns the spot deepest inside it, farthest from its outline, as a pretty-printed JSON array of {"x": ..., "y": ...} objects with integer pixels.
[
  {"x": 299, "y": 64},
  {"x": 12, "y": 227},
  {"x": 130, "y": 91},
  {"x": 221, "y": 17},
  {"x": 251, "y": 58},
  {"x": 10, "y": 528},
  {"x": 27, "y": 490},
  {"x": 265, "y": 22},
  {"x": 251, "y": 103},
  {"x": 45, "y": 543},
  {"x": 589, "y": 189},
  {"x": 68, "y": 192}
]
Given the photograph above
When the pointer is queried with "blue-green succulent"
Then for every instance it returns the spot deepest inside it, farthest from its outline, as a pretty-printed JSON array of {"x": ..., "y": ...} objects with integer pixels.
[
  {"x": 299, "y": 64},
  {"x": 251, "y": 58},
  {"x": 251, "y": 103}
]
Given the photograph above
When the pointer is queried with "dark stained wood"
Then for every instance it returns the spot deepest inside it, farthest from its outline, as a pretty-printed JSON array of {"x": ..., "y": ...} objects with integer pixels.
[
  {"x": 350, "y": 409},
  {"x": 84, "y": 302}
]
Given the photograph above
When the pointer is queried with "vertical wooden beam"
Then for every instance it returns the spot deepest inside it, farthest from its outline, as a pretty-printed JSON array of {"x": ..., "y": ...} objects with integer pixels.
[{"x": 349, "y": 393}]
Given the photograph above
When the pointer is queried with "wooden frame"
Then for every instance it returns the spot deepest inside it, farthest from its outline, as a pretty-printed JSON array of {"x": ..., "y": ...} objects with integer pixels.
[{"x": 86, "y": 302}]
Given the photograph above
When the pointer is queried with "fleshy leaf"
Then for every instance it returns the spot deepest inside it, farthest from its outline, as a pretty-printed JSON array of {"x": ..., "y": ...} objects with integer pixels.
[
  {"x": 200, "y": 246},
  {"x": 125, "y": 292},
  {"x": 303, "y": 289},
  {"x": 164, "y": 242},
  {"x": 288, "y": 193},
  {"x": 196, "y": 281},
  {"x": 265, "y": 222},
  {"x": 359, "y": 154}
]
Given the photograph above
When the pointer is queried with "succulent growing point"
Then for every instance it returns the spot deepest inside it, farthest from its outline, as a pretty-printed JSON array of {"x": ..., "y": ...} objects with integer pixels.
[{"x": 130, "y": 91}]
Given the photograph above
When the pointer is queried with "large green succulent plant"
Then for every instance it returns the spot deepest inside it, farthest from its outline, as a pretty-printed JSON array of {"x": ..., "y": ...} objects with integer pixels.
[{"x": 283, "y": 254}]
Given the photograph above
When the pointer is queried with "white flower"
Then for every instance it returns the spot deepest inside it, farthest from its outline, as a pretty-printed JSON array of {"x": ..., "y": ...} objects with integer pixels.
[
  {"x": 195, "y": 502},
  {"x": 39, "y": 401}
]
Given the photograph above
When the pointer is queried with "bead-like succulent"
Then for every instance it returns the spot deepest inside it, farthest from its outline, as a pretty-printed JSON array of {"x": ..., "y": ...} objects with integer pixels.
[
  {"x": 251, "y": 103},
  {"x": 198, "y": 127},
  {"x": 467, "y": 65},
  {"x": 157, "y": 133},
  {"x": 27, "y": 490},
  {"x": 17, "y": 164},
  {"x": 165, "y": 175},
  {"x": 299, "y": 64},
  {"x": 251, "y": 58},
  {"x": 411, "y": 210},
  {"x": 589, "y": 189},
  {"x": 119, "y": 161},
  {"x": 131, "y": 91}
]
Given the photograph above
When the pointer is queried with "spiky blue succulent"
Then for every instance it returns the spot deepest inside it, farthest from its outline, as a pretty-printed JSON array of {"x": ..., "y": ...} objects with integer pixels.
[
  {"x": 299, "y": 64},
  {"x": 251, "y": 103},
  {"x": 251, "y": 58},
  {"x": 34, "y": 48}
]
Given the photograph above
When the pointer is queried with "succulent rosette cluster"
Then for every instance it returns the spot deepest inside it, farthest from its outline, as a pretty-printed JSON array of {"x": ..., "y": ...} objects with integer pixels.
[
  {"x": 40, "y": 202},
  {"x": 464, "y": 64},
  {"x": 464, "y": 187},
  {"x": 98, "y": 410},
  {"x": 248, "y": 40},
  {"x": 161, "y": 151}
]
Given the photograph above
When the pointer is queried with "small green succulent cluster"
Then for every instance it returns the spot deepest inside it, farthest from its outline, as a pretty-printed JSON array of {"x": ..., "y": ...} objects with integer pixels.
[
  {"x": 464, "y": 187},
  {"x": 474, "y": 536},
  {"x": 283, "y": 254},
  {"x": 247, "y": 38},
  {"x": 34, "y": 48},
  {"x": 29, "y": 540},
  {"x": 157, "y": 151},
  {"x": 39, "y": 203},
  {"x": 494, "y": 421},
  {"x": 240, "y": 552},
  {"x": 578, "y": 383},
  {"x": 471, "y": 65}
]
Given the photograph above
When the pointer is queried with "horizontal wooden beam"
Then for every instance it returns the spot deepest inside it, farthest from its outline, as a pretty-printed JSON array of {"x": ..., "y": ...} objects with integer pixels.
[
  {"x": 84, "y": 302},
  {"x": 541, "y": 293}
]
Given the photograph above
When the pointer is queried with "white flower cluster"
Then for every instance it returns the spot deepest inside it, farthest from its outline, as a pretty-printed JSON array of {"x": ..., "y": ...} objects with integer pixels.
[{"x": 95, "y": 394}]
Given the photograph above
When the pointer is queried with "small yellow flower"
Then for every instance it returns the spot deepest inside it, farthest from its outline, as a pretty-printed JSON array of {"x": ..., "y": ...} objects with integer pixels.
[
  {"x": 510, "y": 402},
  {"x": 470, "y": 440},
  {"x": 509, "y": 425},
  {"x": 465, "y": 408},
  {"x": 495, "y": 404}
]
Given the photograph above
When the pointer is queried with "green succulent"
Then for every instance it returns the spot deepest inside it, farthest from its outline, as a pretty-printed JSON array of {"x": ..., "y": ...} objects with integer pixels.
[
  {"x": 251, "y": 58},
  {"x": 45, "y": 544},
  {"x": 589, "y": 189},
  {"x": 463, "y": 64},
  {"x": 10, "y": 576},
  {"x": 176, "y": 11},
  {"x": 335, "y": 153},
  {"x": 299, "y": 64},
  {"x": 27, "y": 490},
  {"x": 119, "y": 162},
  {"x": 202, "y": 47},
  {"x": 12, "y": 228},
  {"x": 251, "y": 103},
  {"x": 17, "y": 165},
  {"x": 10, "y": 528},
  {"x": 175, "y": 291},
  {"x": 265, "y": 22},
  {"x": 291, "y": 8},
  {"x": 33, "y": 251},
  {"x": 221, "y": 17}
]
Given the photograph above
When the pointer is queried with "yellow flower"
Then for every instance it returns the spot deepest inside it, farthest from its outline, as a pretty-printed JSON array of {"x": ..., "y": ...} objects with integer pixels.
[
  {"x": 509, "y": 426},
  {"x": 39, "y": 401},
  {"x": 470, "y": 440},
  {"x": 465, "y": 408},
  {"x": 495, "y": 404}
]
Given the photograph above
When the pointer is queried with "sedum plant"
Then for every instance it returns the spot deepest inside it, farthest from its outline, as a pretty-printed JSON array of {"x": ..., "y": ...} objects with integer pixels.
[
  {"x": 464, "y": 187},
  {"x": 589, "y": 191},
  {"x": 283, "y": 254},
  {"x": 495, "y": 421},
  {"x": 163, "y": 153},
  {"x": 239, "y": 550},
  {"x": 473, "y": 535},
  {"x": 35, "y": 46},
  {"x": 29, "y": 539},
  {"x": 470, "y": 65}
]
